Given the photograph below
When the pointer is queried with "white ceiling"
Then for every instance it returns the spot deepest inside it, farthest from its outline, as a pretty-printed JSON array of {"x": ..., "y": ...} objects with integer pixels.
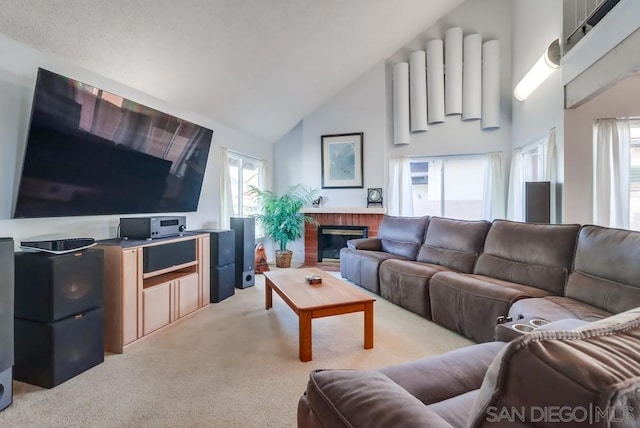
[{"x": 258, "y": 66}]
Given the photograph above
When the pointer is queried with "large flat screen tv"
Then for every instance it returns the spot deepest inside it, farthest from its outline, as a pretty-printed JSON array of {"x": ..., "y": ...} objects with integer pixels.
[{"x": 91, "y": 152}]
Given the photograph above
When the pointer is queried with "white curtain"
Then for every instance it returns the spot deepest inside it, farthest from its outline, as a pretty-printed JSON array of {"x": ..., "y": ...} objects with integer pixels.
[
  {"x": 226, "y": 200},
  {"x": 400, "y": 199},
  {"x": 611, "y": 172},
  {"x": 550, "y": 172},
  {"x": 515, "y": 201},
  {"x": 493, "y": 198}
]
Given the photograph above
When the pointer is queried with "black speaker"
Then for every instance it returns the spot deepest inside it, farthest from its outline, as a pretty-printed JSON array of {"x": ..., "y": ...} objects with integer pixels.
[
  {"x": 49, "y": 287},
  {"x": 48, "y": 354},
  {"x": 222, "y": 246},
  {"x": 222, "y": 282},
  {"x": 538, "y": 201},
  {"x": 158, "y": 257},
  {"x": 6, "y": 321},
  {"x": 245, "y": 230}
]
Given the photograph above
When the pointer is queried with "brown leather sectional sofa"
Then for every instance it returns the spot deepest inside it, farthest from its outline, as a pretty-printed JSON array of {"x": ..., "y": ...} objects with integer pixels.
[
  {"x": 588, "y": 376},
  {"x": 465, "y": 274},
  {"x": 580, "y": 369}
]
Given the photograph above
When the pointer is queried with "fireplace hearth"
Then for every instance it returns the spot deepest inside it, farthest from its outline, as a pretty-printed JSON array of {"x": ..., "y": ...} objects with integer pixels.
[{"x": 331, "y": 238}]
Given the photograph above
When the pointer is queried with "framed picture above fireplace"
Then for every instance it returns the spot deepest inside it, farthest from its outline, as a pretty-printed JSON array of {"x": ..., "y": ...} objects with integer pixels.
[{"x": 342, "y": 161}]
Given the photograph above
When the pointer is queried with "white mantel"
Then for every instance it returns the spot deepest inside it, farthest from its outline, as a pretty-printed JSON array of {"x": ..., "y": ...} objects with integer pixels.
[{"x": 343, "y": 210}]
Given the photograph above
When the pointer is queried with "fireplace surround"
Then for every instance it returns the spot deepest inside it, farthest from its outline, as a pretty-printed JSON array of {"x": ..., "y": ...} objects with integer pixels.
[{"x": 331, "y": 238}]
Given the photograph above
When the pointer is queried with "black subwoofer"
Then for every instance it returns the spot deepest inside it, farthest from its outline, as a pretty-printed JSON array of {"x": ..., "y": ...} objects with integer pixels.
[
  {"x": 245, "y": 234},
  {"x": 49, "y": 287},
  {"x": 6, "y": 321},
  {"x": 222, "y": 246},
  {"x": 222, "y": 282},
  {"x": 48, "y": 354}
]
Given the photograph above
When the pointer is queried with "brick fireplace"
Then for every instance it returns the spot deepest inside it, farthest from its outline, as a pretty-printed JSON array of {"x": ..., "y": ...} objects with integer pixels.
[{"x": 363, "y": 217}]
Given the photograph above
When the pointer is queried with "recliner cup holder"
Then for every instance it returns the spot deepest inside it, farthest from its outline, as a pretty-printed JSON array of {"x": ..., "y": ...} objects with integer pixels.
[
  {"x": 538, "y": 322},
  {"x": 523, "y": 328}
]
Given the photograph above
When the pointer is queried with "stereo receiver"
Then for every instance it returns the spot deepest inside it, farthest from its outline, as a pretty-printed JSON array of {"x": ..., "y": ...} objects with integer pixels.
[{"x": 152, "y": 227}]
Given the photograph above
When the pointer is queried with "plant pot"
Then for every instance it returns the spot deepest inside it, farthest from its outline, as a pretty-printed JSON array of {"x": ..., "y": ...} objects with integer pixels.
[{"x": 283, "y": 258}]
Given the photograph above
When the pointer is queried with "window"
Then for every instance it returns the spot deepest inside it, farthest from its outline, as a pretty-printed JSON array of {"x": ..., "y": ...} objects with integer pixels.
[
  {"x": 634, "y": 176},
  {"x": 533, "y": 160},
  {"x": 244, "y": 171},
  {"x": 448, "y": 187}
]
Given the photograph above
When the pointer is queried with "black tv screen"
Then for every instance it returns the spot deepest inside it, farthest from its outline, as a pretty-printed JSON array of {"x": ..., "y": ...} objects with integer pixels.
[{"x": 91, "y": 152}]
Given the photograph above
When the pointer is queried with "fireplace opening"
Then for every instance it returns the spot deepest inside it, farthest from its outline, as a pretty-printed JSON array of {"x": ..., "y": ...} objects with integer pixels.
[{"x": 332, "y": 238}]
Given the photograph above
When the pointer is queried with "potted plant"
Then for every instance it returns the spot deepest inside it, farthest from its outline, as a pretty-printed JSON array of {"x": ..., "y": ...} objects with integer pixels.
[{"x": 281, "y": 219}]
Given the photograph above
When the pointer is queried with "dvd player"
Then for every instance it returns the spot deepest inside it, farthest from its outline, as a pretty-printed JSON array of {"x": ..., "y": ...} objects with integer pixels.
[{"x": 59, "y": 246}]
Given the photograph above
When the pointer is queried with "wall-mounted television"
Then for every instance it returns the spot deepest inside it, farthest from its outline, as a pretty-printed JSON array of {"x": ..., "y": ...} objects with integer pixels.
[{"x": 91, "y": 152}]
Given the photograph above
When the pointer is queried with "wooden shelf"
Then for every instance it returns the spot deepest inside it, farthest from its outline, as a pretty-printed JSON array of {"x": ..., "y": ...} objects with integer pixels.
[
  {"x": 169, "y": 269},
  {"x": 138, "y": 303}
]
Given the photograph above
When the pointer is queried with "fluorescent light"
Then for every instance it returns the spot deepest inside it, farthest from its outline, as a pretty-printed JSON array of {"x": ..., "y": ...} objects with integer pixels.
[{"x": 545, "y": 65}]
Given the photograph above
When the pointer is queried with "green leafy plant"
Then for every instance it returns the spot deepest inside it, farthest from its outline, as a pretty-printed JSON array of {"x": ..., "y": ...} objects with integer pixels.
[{"x": 280, "y": 215}]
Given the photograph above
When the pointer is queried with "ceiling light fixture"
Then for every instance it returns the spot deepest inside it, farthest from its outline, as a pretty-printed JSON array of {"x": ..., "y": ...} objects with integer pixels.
[{"x": 545, "y": 65}]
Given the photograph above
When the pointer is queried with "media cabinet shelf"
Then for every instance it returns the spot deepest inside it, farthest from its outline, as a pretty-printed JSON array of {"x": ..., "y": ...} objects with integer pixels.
[{"x": 138, "y": 303}]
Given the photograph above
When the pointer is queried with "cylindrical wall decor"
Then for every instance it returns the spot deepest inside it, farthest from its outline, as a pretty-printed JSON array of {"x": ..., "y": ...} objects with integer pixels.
[
  {"x": 435, "y": 81},
  {"x": 418, "y": 91},
  {"x": 472, "y": 77},
  {"x": 401, "y": 103},
  {"x": 491, "y": 84},
  {"x": 453, "y": 70}
]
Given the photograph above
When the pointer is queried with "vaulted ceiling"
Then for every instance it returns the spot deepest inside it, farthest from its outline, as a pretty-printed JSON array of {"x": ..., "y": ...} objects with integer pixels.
[{"x": 256, "y": 65}]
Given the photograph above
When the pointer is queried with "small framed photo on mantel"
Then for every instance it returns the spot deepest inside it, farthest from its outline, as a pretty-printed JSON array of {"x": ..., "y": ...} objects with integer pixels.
[{"x": 342, "y": 161}]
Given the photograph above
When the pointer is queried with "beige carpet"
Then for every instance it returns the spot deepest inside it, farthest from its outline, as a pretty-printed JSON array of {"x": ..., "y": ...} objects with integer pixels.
[{"x": 232, "y": 364}]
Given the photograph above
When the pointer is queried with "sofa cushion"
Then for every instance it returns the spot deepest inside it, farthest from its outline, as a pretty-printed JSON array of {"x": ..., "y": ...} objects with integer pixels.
[
  {"x": 606, "y": 269},
  {"x": 441, "y": 377},
  {"x": 406, "y": 283},
  {"x": 358, "y": 398},
  {"x": 553, "y": 308},
  {"x": 402, "y": 236},
  {"x": 539, "y": 255},
  {"x": 361, "y": 267},
  {"x": 588, "y": 371},
  {"x": 453, "y": 243},
  {"x": 470, "y": 304}
]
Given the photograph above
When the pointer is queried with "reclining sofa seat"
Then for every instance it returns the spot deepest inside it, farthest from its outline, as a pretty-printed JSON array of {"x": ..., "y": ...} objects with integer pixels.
[
  {"x": 605, "y": 279},
  {"x": 449, "y": 245},
  {"x": 519, "y": 261},
  {"x": 398, "y": 237},
  {"x": 593, "y": 368}
]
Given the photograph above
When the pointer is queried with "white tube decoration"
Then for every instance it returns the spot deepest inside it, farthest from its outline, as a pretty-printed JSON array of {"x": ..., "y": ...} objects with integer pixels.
[
  {"x": 418, "y": 91},
  {"x": 472, "y": 77},
  {"x": 491, "y": 84},
  {"x": 453, "y": 70},
  {"x": 401, "y": 103},
  {"x": 435, "y": 81}
]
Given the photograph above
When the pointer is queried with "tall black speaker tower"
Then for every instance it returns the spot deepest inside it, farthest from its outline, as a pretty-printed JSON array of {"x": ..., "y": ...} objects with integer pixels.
[
  {"x": 245, "y": 230},
  {"x": 6, "y": 321},
  {"x": 538, "y": 202}
]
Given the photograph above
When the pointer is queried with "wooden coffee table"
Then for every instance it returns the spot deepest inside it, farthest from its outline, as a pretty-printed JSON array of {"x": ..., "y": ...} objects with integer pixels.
[{"x": 332, "y": 297}]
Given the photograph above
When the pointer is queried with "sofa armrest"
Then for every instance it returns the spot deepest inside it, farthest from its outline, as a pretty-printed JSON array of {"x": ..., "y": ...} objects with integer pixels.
[
  {"x": 371, "y": 244},
  {"x": 440, "y": 377},
  {"x": 358, "y": 398}
]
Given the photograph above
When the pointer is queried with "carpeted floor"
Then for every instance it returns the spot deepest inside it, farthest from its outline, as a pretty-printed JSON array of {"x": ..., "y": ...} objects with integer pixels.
[{"x": 232, "y": 364}]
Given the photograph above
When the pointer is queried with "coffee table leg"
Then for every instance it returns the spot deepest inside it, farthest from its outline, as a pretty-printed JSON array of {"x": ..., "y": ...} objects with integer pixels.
[
  {"x": 268, "y": 294},
  {"x": 368, "y": 325},
  {"x": 304, "y": 331}
]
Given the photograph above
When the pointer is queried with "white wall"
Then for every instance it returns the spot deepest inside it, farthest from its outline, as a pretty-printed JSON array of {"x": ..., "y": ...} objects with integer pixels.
[
  {"x": 289, "y": 147},
  {"x": 18, "y": 70},
  {"x": 535, "y": 25},
  {"x": 619, "y": 101}
]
